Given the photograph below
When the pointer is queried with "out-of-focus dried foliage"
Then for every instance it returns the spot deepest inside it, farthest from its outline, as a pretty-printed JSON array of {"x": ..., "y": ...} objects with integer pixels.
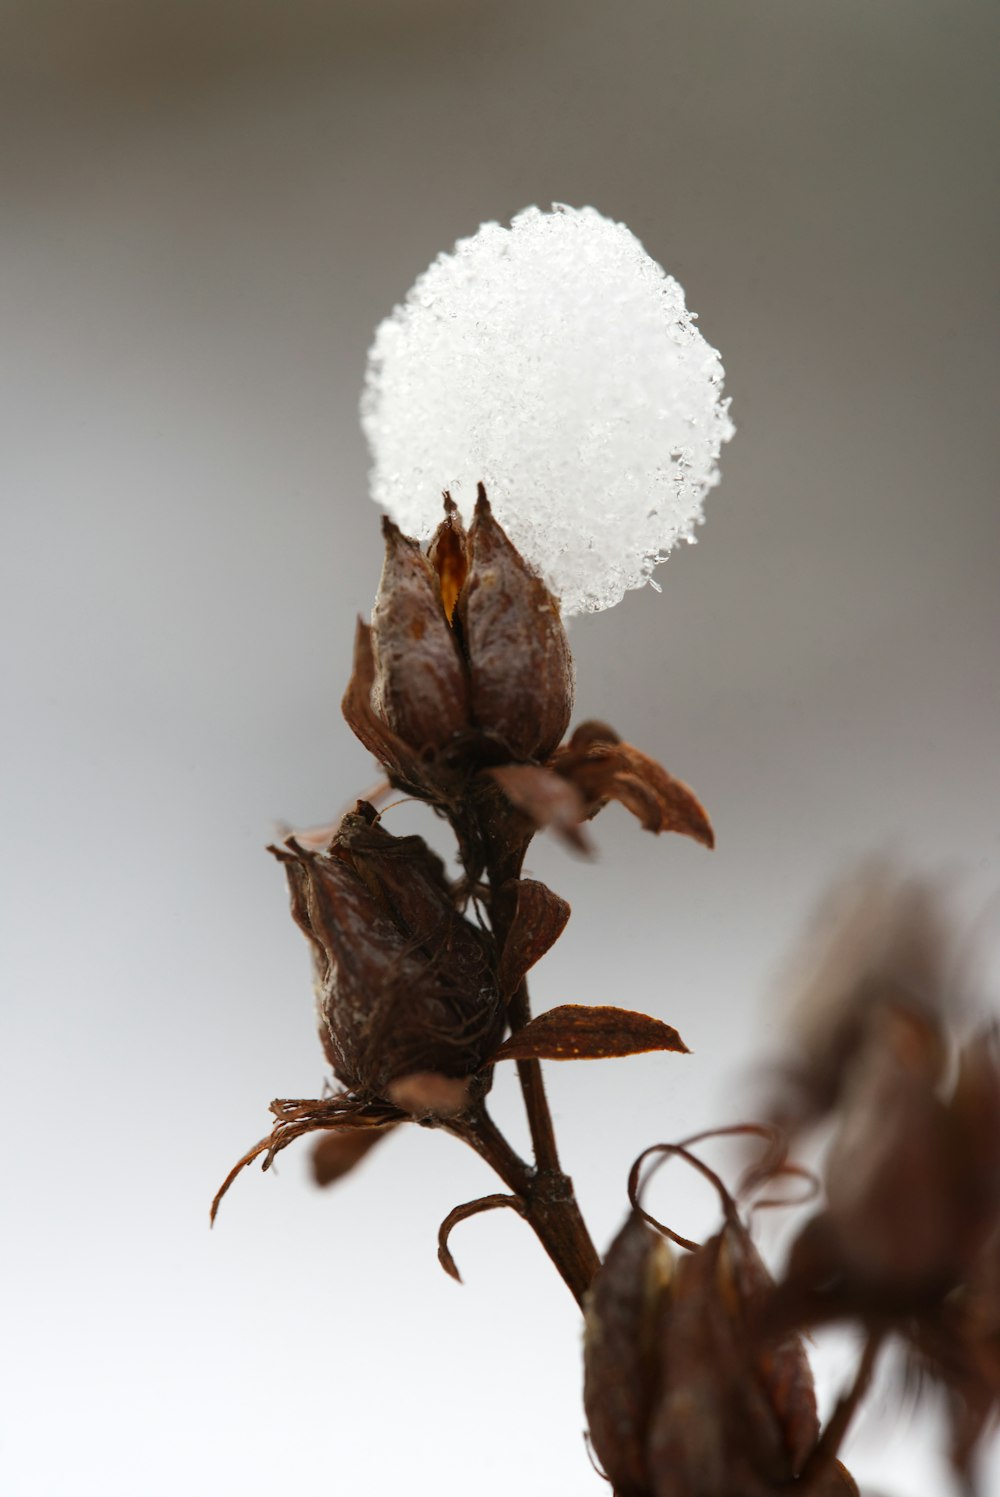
[{"x": 906, "y": 1243}]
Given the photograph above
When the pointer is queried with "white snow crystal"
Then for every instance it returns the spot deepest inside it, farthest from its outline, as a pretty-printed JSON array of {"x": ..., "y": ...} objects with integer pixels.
[{"x": 558, "y": 364}]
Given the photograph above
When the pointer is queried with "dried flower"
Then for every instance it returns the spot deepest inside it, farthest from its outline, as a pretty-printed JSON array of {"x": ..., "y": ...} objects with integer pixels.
[
  {"x": 405, "y": 983},
  {"x": 683, "y": 1398}
]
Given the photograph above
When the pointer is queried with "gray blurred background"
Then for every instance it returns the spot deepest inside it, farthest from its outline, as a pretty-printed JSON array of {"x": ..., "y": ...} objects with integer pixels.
[{"x": 206, "y": 209}]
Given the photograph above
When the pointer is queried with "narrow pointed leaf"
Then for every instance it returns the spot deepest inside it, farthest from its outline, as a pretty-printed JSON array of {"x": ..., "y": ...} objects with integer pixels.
[
  {"x": 460, "y": 1214},
  {"x": 577, "y": 1031},
  {"x": 540, "y": 918}
]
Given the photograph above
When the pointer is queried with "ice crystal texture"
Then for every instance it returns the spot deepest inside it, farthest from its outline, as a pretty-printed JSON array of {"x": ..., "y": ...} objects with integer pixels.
[{"x": 558, "y": 364}]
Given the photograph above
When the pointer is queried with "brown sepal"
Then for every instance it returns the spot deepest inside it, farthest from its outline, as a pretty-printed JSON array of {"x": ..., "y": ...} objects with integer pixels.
[
  {"x": 602, "y": 768},
  {"x": 461, "y": 1214},
  {"x": 402, "y": 763},
  {"x": 520, "y": 666},
  {"x": 420, "y": 688},
  {"x": 624, "y": 1312},
  {"x": 539, "y": 920},
  {"x": 579, "y": 1031}
]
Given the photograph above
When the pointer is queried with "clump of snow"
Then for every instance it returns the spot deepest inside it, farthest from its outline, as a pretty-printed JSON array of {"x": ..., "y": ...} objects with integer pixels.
[{"x": 556, "y": 362}]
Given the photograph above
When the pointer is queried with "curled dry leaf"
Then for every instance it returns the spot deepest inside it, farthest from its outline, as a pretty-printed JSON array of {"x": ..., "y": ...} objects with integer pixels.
[
  {"x": 461, "y": 1214},
  {"x": 601, "y": 768},
  {"x": 578, "y": 1031},
  {"x": 296, "y": 1117}
]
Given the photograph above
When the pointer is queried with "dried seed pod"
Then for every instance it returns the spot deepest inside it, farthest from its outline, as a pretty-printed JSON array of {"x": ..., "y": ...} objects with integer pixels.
[
  {"x": 520, "y": 666},
  {"x": 406, "y": 984},
  {"x": 420, "y": 687}
]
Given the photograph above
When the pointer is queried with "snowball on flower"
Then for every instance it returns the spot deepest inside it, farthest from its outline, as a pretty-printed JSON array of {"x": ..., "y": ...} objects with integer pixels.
[{"x": 558, "y": 364}]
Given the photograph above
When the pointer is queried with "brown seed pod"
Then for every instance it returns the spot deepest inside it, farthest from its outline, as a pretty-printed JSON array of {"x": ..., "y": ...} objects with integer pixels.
[{"x": 405, "y": 983}]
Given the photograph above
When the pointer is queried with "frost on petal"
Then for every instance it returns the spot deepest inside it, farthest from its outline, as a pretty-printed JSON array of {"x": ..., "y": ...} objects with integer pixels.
[{"x": 557, "y": 363}]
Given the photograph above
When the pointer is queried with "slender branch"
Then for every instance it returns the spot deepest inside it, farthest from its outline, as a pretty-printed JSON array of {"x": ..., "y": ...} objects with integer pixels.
[{"x": 529, "y": 1072}]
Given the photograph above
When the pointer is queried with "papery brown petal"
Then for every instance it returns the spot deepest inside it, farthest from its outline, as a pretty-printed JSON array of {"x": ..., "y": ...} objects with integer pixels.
[
  {"x": 578, "y": 1031},
  {"x": 461, "y": 1214},
  {"x": 378, "y": 738},
  {"x": 545, "y": 798},
  {"x": 448, "y": 554},
  {"x": 520, "y": 666},
  {"x": 624, "y": 1310},
  {"x": 420, "y": 687},
  {"x": 335, "y": 1154},
  {"x": 539, "y": 920}
]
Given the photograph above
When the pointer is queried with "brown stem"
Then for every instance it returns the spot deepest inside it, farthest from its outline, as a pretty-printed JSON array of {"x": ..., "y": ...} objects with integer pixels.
[
  {"x": 550, "y": 1206},
  {"x": 529, "y": 1072}
]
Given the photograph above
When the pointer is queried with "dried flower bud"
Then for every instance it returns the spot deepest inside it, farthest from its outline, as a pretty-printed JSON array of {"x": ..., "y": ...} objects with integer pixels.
[
  {"x": 420, "y": 687},
  {"x": 405, "y": 983},
  {"x": 520, "y": 666},
  {"x": 682, "y": 1398}
]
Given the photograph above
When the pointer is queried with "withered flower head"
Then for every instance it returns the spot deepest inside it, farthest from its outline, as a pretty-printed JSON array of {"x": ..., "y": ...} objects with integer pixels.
[
  {"x": 683, "y": 1398},
  {"x": 405, "y": 984},
  {"x": 904, "y": 1243},
  {"x": 466, "y": 662}
]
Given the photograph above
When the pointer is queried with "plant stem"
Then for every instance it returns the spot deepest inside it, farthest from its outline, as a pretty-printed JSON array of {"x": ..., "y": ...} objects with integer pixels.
[{"x": 550, "y": 1206}]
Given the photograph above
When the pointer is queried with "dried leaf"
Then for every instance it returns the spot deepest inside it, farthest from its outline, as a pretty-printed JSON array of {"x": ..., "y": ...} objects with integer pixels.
[
  {"x": 578, "y": 1031},
  {"x": 545, "y": 798},
  {"x": 539, "y": 920},
  {"x": 335, "y": 1154},
  {"x": 604, "y": 768},
  {"x": 460, "y": 1214}
]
